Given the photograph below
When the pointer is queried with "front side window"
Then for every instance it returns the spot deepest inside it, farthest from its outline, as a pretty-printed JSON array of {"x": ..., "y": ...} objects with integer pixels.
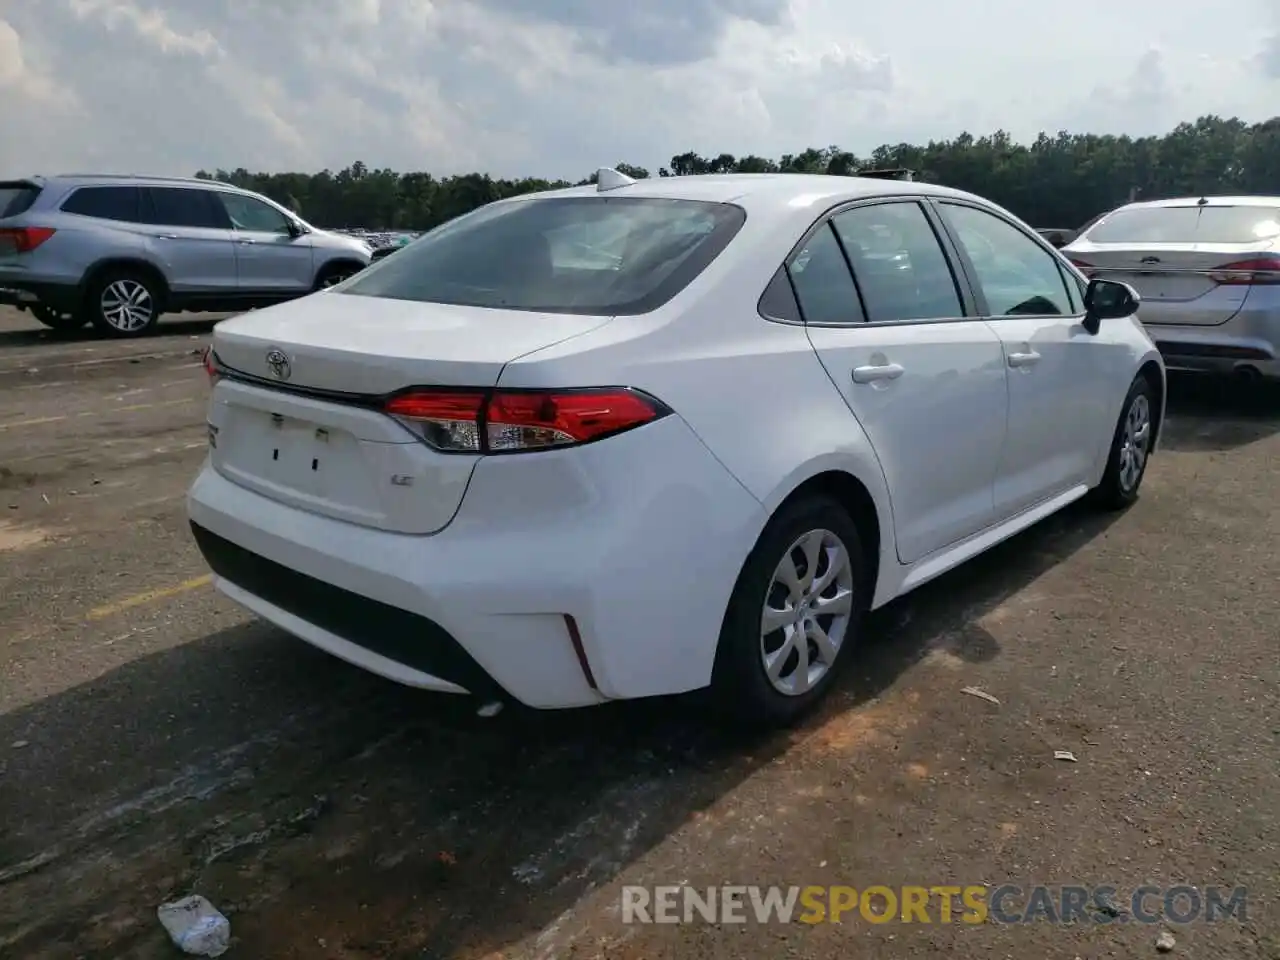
[
  {"x": 1018, "y": 277},
  {"x": 604, "y": 256},
  {"x": 898, "y": 262},
  {"x": 252, "y": 215},
  {"x": 105, "y": 203}
]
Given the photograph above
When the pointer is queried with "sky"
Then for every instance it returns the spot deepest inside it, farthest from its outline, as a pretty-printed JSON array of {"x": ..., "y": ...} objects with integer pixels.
[{"x": 557, "y": 88}]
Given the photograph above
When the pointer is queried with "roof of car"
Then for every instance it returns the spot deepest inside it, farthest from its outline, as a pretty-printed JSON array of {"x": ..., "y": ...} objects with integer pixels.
[
  {"x": 135, "y": 180},
  {"x": 763, "y": 191},
  {"x": 1256, "y": 201}
]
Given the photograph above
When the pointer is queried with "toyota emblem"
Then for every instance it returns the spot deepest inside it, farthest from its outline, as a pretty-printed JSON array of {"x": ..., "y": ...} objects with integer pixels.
[{"x": 278, "y": 363}]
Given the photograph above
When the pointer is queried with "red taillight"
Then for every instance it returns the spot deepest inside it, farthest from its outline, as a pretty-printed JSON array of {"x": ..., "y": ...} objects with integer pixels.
[
  {"x": 211, "y": 365},
  {"x": 25, "y": 239},
  {"x": 480, "y": 421},
  {"x": 1082, "y": 266},
  {"x": 1260, "y": 270}
]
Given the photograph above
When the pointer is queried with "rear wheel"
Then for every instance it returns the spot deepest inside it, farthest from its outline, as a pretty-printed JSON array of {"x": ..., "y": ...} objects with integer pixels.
[
  {"x": 124, "y": 303},
  {"x": 57, "y": 319},
  {"x": 798, "y": 605},
  {"x": 1130, "y": 448}
]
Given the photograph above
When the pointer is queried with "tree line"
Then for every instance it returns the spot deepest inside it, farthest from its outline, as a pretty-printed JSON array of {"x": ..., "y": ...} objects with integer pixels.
[{"x": 1061, "y": 180}]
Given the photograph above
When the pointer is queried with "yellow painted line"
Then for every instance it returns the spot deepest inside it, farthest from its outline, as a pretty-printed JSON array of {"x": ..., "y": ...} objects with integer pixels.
[
  {"x": 31, "y": 423},
  {"x": 163, "y": 593}
]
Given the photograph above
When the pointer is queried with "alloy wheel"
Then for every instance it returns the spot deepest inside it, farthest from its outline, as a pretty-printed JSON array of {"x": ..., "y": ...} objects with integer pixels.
[
  {"x": 126, "y": 305},
  {"x": 807, "y": 610},
  {"x": 1135, "y": 439}
]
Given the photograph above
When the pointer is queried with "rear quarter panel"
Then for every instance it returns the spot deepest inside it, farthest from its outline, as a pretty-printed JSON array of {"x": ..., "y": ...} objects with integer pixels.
[
  {"x": 81, "y": 243},
  {"x": 752, "y": 390}
]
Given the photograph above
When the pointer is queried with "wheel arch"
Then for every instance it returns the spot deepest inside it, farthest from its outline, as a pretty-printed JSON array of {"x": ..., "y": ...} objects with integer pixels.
[
  {"x": 108, "y": 264},
  {"x": 863, "y": 494},
  {"x": 339, "y": 261},
  {"x": 1153, "y": 371}
]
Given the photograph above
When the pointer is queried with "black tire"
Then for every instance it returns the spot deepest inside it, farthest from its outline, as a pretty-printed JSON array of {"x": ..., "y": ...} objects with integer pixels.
[
  {"x": 741, "y": 688},
  {"x": 146, "y": 303},
  {"x": 336, "y": 273},
  {"x": 1121, "y": 481},
  {"x": 57, "y": 320}
]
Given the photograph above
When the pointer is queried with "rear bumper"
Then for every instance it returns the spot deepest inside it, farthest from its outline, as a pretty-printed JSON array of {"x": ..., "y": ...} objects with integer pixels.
[
  {"x": 1250, "y": 340},
  {"x": 567, "y": 578},
  {"x": 22, "y": 293}
]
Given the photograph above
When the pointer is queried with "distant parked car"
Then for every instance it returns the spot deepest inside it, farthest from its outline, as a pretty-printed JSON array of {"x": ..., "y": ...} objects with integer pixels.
[
  {"x": 1208, "y": 271},
  {"x": 120, "y": 251},
  {"x": 382, "y": 253},
  {"x": 761, "y": 405},
  {"x": 1058, "y": 236}
]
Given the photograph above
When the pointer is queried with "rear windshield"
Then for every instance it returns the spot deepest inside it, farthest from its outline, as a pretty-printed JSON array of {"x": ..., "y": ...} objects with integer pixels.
[
  {"x": 1191, "y": 224},
  {"x": 583, "y": 255},
  {"x": 16, "y": 198}
]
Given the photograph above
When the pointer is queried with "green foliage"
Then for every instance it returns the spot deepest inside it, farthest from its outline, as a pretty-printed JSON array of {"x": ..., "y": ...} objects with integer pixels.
[{"x": 1063, "y": 180}]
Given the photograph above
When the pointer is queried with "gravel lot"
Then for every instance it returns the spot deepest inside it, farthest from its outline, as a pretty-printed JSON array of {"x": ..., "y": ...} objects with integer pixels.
[{"x": 156, "y": 741}]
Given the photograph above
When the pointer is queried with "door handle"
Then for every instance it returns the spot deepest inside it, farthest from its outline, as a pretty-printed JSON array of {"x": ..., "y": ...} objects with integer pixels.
[
  {"x": 246, "y": 243},
  {"x": 168, "y": 236},
  {"x": 1024, "y": 359},
  {"x": 884, "y": 371}
]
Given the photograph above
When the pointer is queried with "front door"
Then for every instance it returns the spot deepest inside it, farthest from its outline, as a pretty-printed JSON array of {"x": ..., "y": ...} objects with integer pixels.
[
  {"x": 1058, "y": 413},
  {"x": 269, "y": 258},
  {"x": 925, "y": 381}
]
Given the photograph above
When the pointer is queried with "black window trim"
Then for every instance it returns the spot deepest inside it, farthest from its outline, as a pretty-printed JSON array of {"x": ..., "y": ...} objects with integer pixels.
[
  {"x": 962, "y": 279},
  {"x": 984, "y": 308}
]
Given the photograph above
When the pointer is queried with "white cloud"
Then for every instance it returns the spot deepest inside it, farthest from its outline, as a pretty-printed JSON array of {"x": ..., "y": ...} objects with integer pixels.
[{"x": 558, "y": 87}]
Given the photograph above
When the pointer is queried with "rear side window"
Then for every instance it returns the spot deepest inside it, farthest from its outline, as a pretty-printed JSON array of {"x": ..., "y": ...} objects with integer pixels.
[
  {"x": 182, "y": 207},
  {"x": 16, "y": 198},
  {"x": 824, "y": 287},
  {"x": 105, "y": 203},
  {"x": 778, "y": 302},
  {"x": 899, "y": 264},
  {"x": 1189, "y": 224},
  {"x": 604, "y": 256}
]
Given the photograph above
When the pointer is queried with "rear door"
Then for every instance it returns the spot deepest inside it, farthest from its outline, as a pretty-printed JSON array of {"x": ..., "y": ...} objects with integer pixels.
[
  {"x": 1193, "y": 264},
  {"x": 1059, "y": 374},
  {"x": 269, "y": 258},
  {"x": 923, "y": 376},
  {"x": 191, "y": 237}
]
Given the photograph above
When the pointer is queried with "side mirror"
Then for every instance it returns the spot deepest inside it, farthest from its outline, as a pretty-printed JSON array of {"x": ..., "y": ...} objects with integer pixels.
[
  {"x": 1108, "y": 300},
  {"x": 296, "y": 229}
]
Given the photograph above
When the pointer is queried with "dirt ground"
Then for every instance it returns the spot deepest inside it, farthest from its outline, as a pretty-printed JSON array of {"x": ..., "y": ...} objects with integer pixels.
[{"x": 155, "y": 740}]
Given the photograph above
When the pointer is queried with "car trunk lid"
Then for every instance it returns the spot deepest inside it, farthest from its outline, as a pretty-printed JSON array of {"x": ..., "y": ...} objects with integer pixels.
[
  {"x": 297, "y": 411},
  {"x": 369, "y": 346},
  {"x": 1198, "y": 285}
]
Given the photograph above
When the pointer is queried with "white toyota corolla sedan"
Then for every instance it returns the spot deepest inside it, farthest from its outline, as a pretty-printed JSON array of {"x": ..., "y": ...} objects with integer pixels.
[{"x": 642, "y": 438}]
